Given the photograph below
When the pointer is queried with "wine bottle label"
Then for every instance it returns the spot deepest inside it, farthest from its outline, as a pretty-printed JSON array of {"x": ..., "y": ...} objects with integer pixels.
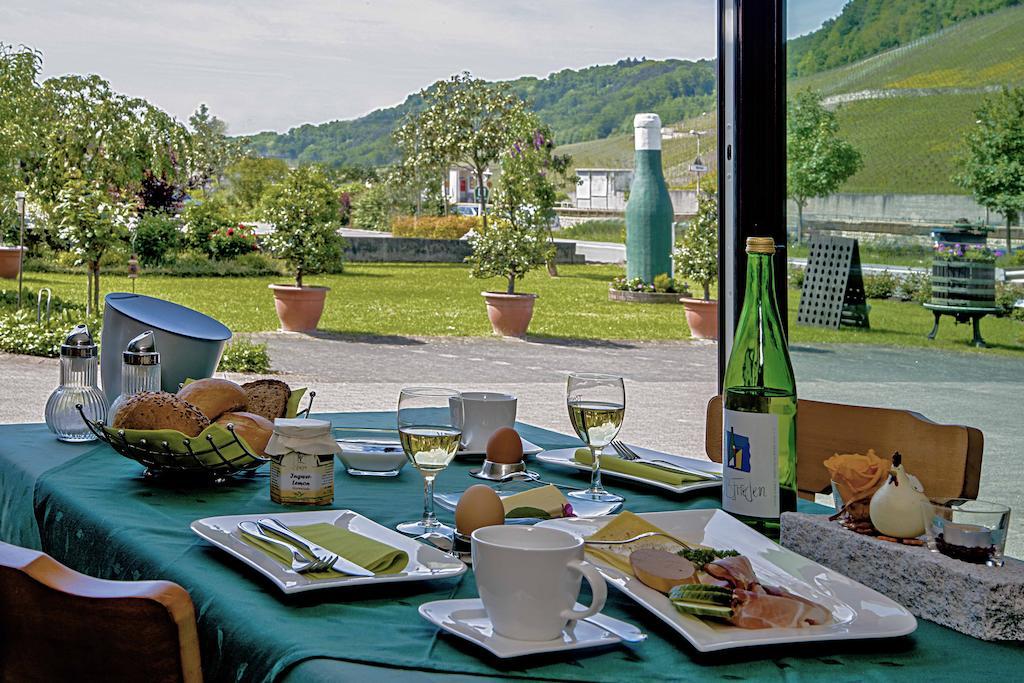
[{"x": 750, "y": 463}]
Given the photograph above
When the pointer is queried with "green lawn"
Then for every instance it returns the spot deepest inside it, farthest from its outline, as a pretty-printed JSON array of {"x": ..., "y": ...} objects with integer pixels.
[
  {"x": 905, "y": 256},
  {"x": 441, "y": 299}
]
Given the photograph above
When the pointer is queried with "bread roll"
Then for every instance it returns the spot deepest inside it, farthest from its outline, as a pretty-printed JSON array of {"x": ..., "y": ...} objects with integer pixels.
[
  {"x": 267, "y": 397},
  {"x": 160, "y": 410},
  {"x": 254, "y": 429},
  {"x": 214, "y": 397}
]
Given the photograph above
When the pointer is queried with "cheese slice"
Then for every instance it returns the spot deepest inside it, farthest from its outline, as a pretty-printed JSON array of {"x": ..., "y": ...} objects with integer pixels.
[{"x": 547, "y": 498}]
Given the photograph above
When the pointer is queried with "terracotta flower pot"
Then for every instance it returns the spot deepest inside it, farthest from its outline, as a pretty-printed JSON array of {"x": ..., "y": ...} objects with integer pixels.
[
  {"x": 10, "y": 261},
  {"x": 299, "y": 308},
  {"x": 702, "y": 317},
  {"x": 509, "y": 314}
]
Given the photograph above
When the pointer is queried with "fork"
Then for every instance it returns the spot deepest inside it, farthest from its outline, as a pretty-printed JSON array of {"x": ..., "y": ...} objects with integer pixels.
[
  {"x": 299, "y": 563},
  {"x": 627, "y": 453},
  {"x": 646, "y": 534},
  {"x": 335, "y": 561}
]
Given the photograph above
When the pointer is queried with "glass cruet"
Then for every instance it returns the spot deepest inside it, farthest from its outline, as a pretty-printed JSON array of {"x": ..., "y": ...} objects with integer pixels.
[
  {"x": 79, "y": 362},
  {"x": 140, "y": 369}
]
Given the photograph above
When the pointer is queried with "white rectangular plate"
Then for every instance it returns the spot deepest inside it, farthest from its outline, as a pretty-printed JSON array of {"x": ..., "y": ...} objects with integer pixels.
[
  {"x": 563, "y": 457},
  {"x": 858, "y": 612},
  {"x": 425, "y": 562}
]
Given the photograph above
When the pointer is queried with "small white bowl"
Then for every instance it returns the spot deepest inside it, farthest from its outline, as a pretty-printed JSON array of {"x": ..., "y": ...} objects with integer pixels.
[{"x": 372, "y": 458}]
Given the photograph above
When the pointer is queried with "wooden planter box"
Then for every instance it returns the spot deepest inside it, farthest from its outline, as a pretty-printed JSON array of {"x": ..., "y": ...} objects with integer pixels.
[{"x": 963, "y": 283}]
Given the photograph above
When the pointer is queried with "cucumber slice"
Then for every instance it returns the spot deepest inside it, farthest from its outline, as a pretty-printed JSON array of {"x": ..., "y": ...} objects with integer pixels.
[
  {"x": 699, "y": 609},
  {"x": 697, "y": 593}
]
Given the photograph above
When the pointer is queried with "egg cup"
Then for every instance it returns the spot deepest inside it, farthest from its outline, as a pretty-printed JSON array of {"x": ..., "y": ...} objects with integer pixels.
[{"x": 498, "y": 471}]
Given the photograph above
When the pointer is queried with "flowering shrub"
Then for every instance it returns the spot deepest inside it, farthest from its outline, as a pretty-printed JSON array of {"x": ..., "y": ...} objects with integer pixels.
[
  {"x": 232, "y": 241},
  {"x": 966, "y": 252},
  {"x": 304, "y": 211},
  {"x": 516, "y": 238},
  {"x": 880, "y": 285},
  {"x": 697, "y": 252},
  {"x": 632, "y": 285}
]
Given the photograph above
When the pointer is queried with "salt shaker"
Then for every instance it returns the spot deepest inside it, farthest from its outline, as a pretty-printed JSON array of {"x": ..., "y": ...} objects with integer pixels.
[
  {"x": 302, "y": 462},
  {"x": 140, "y": 369},
  {"x": 79, "y": 363}
]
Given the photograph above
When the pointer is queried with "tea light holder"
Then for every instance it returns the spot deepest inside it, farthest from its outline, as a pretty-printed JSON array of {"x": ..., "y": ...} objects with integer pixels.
[{"x": 968, "y": 530}]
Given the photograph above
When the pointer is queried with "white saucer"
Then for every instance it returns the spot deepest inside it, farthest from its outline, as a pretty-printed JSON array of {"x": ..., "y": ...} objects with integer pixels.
[{"x": 467, "y": 619}]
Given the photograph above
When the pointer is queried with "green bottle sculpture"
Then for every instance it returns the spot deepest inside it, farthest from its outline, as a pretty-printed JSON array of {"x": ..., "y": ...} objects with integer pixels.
[{"x": 649, "y": 209}]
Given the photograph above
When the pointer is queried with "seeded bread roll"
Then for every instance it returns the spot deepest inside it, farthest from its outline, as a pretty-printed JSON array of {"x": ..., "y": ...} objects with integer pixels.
[
  {"x": 254, "y": 429},
  {"x": 160, "y": 410},
  {"x": 214, "y": 397},
  {"x": 267, "y": 397}
]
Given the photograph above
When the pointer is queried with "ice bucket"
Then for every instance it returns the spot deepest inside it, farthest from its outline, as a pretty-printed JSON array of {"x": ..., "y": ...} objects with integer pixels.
[{"x": 190, "y": 342}]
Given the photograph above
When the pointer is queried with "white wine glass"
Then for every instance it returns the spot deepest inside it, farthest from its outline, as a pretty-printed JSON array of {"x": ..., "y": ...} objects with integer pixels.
[
  {"x": 596, "y": 404},
  {"x": 430, "y": 428}
]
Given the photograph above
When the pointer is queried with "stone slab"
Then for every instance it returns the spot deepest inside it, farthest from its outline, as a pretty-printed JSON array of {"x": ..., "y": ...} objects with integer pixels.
[{"x": 983, "y": 602}]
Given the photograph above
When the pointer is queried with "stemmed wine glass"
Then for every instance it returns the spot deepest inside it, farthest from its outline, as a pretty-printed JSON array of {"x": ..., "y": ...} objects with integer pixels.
[
  {"x": 430, "y": 428},
  {"x": 597, "y": 404}
]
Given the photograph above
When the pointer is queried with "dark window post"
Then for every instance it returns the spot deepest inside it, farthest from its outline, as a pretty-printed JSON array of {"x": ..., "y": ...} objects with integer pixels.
[{"x": 751, "y": 150}]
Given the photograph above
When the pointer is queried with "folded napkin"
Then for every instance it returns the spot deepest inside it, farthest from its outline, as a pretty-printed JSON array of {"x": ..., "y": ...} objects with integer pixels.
[
  {"x": 627, "y": 525},
  {"x": 379, "y": 558},
  {"x": 613, "y": 463},
  {"x": 545, "y": 502}
]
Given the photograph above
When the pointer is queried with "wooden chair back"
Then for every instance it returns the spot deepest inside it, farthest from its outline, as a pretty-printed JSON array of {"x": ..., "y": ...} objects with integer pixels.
[
  {"x": 59, "y": 625},
  {"x": 946, "y": 458}
]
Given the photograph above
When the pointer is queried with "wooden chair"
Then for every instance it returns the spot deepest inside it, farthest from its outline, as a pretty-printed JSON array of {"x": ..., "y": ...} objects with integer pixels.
[
  {"x": 59, "y": 625},
  {"x": 946, "y": 458}
]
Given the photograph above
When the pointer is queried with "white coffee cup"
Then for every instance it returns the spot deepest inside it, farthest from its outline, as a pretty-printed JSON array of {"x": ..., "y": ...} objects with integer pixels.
[
  {"x": 529, "y": 579},
  {"x": 483, "y": 413}
]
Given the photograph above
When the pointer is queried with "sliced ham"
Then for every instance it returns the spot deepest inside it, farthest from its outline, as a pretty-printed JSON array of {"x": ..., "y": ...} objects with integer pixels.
[
  {"x": 737, "y": 571},
  {"x": 775, "y": 608}
]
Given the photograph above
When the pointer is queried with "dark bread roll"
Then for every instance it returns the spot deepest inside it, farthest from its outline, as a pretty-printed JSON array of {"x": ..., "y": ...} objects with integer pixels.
[
  {"x": 267, "y": 397},
  {"x": 214, "y": 397},
  {"x": 255, "y": 430},
  {"x": 160, "y": 410}
]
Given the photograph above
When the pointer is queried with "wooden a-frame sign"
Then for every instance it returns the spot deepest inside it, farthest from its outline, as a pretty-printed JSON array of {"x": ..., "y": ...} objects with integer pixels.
[{"x": 833, "y": 290}]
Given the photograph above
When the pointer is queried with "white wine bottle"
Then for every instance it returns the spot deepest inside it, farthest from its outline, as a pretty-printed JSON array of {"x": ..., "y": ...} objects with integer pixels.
[{"x": 759, "y": 407}]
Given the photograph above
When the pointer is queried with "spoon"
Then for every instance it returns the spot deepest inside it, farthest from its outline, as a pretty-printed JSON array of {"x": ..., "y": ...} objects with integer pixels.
[{"x": 529, "y": 476}]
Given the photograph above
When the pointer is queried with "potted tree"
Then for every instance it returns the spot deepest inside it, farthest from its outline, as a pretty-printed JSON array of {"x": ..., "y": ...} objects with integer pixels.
[
  {"x": 697, "y": 261},
  {"x": 303, "y": 209},
  {"x": 517, "y": 237}
]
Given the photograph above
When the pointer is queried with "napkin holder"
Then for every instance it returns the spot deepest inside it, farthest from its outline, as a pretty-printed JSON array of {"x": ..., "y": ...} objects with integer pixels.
[{"x": 983, "y": 602}]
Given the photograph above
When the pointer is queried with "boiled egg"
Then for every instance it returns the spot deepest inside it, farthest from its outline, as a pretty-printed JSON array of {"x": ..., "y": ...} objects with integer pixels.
[
  {"x": 505, "y": 447},
  {"x": 478, "y": 507}
]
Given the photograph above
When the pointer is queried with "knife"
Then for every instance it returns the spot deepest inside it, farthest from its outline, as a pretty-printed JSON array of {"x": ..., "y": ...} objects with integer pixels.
[{"x": 341, "y": 565}]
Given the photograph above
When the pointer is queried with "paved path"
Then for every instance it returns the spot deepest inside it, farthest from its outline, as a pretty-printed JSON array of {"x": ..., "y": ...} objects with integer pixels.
[{"x": 668, "y": 384}]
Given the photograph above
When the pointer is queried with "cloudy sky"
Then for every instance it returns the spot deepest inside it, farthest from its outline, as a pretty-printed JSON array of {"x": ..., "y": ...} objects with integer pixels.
[{"x": 265, "y": 64}]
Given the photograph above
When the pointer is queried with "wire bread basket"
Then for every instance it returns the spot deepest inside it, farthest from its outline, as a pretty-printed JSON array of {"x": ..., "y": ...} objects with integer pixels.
[{"x": 217, "y": 453}]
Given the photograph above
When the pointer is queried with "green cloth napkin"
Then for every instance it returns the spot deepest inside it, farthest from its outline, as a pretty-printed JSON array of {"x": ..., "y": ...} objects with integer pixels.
[
  {"x": 612, "y": 463},
  {"x": 379, "y": 558}
]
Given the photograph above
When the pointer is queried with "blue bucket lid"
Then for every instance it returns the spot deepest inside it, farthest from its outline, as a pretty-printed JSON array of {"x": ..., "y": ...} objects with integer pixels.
[{"x": 167, "y": 316}]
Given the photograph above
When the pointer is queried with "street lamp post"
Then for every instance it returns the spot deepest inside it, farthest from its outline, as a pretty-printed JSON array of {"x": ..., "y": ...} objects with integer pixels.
[
  {"x": 19, "y": 199},
  {"x": 698, "y": 164}
]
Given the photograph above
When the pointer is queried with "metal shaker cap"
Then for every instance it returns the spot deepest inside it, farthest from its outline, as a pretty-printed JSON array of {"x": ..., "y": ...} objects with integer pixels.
[
  {"x": 79, "y": 344},
  {"x": 142, "y": 350}
]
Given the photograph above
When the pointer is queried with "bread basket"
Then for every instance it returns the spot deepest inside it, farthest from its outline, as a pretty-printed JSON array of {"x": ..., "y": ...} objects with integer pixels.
[{"x": 217, "y": 452}]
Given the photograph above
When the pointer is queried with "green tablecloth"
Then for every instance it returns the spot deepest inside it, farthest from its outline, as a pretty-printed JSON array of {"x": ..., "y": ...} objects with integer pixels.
[{"x": 89, "y": 508}]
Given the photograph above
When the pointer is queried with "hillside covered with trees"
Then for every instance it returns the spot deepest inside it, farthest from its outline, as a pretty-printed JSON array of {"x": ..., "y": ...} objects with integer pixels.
[{"x": 585, "y": 104}]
